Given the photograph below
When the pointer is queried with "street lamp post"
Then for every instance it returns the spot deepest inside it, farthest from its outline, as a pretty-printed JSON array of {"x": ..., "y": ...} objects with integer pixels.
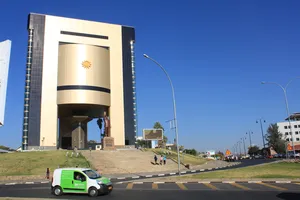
[
  {"x": 262, "y": 131},
  {"x": 174, "y": 108},
  {"x": 250, "y": 133},
  {"x": 243, "y": 139},
  {"x": 239, "y": 142},
  {"x": 286, "y": 105},
  {"x": 235, "y": 149}
]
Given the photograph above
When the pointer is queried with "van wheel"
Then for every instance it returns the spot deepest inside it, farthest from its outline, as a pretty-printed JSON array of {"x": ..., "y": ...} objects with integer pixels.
[
  {"x": 93, "y": 192},
  {"x": 57, "y": 191}
]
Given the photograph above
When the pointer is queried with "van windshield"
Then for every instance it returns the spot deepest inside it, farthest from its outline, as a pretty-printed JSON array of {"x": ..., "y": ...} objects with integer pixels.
[{"x": 92, "y": 174}]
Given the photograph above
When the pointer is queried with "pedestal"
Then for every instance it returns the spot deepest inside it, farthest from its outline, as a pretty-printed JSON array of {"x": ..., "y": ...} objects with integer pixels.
[{"x": 108, "y": 143}]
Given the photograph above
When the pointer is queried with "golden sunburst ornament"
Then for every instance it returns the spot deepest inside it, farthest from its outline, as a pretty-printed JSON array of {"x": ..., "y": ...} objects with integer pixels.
[{"x": 86, "y": 64}]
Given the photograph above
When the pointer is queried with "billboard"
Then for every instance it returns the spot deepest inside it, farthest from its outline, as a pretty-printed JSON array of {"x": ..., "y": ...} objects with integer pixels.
[
  {"x": 211, "y": 153},
  {"x": 5, "y": 48},
  {"x": 153, "y": 134}
]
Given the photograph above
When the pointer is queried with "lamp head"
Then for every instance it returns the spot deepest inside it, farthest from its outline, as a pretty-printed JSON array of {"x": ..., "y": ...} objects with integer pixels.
[
  {"x": 263, "y": 82},
  {"x": 256, "y": 121},
  {"x": 145, "y": 55}
]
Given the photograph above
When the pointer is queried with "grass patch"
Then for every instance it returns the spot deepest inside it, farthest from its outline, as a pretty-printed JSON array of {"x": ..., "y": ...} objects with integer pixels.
[
  {"x": 274, "y": 170},
  {"x": 184, "y": 158},
  {"x": 36, "y": 163}
]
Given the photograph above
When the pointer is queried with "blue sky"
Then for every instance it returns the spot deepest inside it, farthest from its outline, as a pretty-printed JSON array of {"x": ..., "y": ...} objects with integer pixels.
[{"x": 216, "y": 52}]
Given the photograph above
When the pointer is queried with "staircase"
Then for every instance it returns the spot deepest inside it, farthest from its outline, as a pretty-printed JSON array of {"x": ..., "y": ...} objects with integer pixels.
[{"x": 126, "y": 162}]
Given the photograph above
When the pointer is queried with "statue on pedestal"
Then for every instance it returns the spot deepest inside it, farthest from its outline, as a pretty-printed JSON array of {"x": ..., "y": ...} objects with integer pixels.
[
  {"x": 107, "y": 125},
  {"x": 108, "y": 141}
]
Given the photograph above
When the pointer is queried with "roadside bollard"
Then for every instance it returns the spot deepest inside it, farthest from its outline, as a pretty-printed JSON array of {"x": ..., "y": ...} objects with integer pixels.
[
  {"x": 67, "y": 154},
  {"x": 48, "y": 173}
]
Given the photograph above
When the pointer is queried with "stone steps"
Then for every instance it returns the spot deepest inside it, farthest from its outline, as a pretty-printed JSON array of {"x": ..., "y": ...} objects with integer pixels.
[{"x": 122, "y": 161}]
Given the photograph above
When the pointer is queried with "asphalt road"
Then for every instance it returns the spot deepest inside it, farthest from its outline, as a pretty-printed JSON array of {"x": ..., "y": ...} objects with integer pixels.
[{"x": 170, "y": 191}]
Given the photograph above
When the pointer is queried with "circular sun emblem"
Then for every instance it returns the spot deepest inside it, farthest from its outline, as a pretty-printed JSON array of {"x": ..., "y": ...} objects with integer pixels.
[{"x": 86, "y": 64}]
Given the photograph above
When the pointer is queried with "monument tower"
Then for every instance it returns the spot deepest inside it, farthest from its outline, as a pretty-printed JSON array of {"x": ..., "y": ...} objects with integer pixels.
[{"x": 77, "y": 70}]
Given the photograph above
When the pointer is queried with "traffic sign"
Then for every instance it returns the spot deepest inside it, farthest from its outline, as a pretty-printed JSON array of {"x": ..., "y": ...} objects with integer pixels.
[
  {"x": 289, "y": 147},
  {"x": 227, "y": 152}
]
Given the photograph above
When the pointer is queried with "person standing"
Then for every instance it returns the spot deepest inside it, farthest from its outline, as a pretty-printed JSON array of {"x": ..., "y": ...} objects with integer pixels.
[{"x": 165, "y": 159}]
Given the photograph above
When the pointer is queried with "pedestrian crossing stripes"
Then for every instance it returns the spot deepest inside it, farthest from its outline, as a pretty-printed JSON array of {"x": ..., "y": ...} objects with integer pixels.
[
  {"x": 273, "y": 186},
  {"x": 240, "y": 186},
  {"x": 211, "y": 186}
]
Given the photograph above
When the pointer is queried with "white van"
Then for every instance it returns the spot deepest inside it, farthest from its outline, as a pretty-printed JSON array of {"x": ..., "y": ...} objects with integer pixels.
[{"x": 81, "y": 181}]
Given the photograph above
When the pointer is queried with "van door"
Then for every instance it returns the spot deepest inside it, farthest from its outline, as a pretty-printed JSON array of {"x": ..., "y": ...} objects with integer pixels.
[{"x": 79, "y": 182}]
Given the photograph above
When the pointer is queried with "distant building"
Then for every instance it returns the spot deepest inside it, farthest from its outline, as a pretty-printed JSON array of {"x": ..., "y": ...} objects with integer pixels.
[
  {"x": 287, "y": 135},
  {"x": 284, "y": 128}
]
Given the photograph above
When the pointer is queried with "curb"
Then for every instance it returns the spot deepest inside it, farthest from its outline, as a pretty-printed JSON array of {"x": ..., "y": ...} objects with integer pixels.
[
  {"x": 172, "y": 173},
  {"x": 195, "y": 182},
  {"x": 136, "y": 177},
  {"x": 26, "y": 183}
]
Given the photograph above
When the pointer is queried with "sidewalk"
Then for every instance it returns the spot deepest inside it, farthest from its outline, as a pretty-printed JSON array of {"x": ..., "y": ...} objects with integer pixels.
[{"x": 208, "y": 165}]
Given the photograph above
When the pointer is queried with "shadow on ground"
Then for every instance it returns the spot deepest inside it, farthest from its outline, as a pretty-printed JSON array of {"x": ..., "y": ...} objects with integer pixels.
[{"x": 289, "y": 196}]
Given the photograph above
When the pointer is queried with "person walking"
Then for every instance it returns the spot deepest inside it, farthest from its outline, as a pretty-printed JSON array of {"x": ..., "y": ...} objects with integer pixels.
[
  {"x": 155, "y": 159},
  {"x": 165, "y": 159},
  {"x": 48, "y": 173},
  {"x": 161, "y": 159}
]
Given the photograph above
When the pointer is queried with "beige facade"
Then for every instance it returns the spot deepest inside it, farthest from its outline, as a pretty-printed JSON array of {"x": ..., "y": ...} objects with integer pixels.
[
  {"x": 79, "y": 56},
  {"x": 72, "y": 59}
]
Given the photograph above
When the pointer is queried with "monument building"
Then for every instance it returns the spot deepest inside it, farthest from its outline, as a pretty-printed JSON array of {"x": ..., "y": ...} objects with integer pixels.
[{"x": 76, "y": 71}]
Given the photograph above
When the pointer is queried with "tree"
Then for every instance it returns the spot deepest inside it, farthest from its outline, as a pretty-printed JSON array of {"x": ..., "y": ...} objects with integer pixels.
[
  {"x": 92, "y": 141},
  {"x": 4, "y": 147},
  {"x": 143, "y": 143},
  {"x": 274, "y": 140},
  {"x": 253, "y": 150},
  {"x": 157, "y": 125},
  {"x": 190, "y": 151},
  {"x": 181, "y": 148}
]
